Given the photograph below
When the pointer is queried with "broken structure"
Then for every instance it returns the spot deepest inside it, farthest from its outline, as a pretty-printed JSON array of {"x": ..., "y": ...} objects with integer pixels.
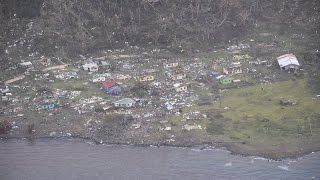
[
  {"x": 288, "y": 61},
  {"x": 111, "y": 87},
  {"x": 234, "y": 68},
  {"x": 91, "y": 67},
  {"x": 226, "y": 80},
  {"x": 146, "y": 78},
  {"x": 125, "y": 102}
]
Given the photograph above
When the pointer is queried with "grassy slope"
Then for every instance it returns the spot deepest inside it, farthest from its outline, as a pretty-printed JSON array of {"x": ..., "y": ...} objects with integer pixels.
[{"x": 259, "y": 118}]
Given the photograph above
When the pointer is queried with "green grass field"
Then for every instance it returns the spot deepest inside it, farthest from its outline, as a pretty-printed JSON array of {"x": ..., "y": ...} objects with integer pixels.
[
  {"x": 255, "y": 114},
  {"x": 87, "y": 89}
]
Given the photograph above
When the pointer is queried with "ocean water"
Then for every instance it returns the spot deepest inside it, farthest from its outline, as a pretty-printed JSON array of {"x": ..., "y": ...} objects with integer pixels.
[{"x": 51, "y": 159}]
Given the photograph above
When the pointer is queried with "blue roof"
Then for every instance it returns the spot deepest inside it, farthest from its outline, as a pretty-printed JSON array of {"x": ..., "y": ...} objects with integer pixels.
[{"x": 116, "y": 89}]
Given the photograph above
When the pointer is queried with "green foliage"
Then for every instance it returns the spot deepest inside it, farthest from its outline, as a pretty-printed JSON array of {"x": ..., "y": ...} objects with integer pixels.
[
  {"x": 30, "y": 128},
  {"x": 5, "y": 126},
  {"x": 140, "y": 89},
  {"x": 259, "y": 115},
  {"x": 216, "y": 124},
  {"x": 80, "y": 26}
]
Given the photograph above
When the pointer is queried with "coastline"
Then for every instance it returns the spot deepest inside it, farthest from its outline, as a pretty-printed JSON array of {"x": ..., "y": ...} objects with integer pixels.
[
  {"x": 168, "y": 82},
  {"x": 240, "y": 150}
]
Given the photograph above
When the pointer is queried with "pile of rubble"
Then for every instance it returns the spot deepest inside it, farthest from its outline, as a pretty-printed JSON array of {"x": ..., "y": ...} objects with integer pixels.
[{"x": 106, "y": 84}]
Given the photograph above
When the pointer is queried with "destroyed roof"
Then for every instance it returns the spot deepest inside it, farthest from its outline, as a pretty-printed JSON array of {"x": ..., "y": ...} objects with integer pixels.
[
  {"x": 108, "y": 83},
  {"x": 105, "y": 63},
  {"x": 287, "y": 59},
  {"x": 28, "y": 63},
  {"x": 92, "y": 64}
]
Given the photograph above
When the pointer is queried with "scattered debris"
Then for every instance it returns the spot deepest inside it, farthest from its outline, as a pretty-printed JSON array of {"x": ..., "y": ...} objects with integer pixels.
[
  {"x": 191, "y": 127},
  {"x": 288, "y": 102},
  {"x": 91, "y": 67},
  {"x": 60, "y": 67},
  {"x": 136, "y": 126},
  {"x": 67, "y": 75}
]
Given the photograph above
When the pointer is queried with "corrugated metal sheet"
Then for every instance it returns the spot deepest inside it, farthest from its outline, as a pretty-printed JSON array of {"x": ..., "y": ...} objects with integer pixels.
[{"x": 287, "y": 59}]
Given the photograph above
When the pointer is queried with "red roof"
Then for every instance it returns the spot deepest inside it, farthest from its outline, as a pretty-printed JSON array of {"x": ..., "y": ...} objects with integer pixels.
[{"x": 108, "y": 83}]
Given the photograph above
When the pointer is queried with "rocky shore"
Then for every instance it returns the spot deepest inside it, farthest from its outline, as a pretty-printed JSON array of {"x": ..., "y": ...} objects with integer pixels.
[{"x": 127, "y": 136}]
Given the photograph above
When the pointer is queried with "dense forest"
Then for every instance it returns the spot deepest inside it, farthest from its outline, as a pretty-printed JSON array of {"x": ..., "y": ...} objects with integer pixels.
[{"x": 79, "y": 26}]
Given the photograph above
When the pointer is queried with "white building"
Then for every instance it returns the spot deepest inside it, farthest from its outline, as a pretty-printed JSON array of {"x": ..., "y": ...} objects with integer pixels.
[
  {"x": 99, "y": 79},
  {"x": 127, "y": 66},
  {"x": 91, "y": 67},
  {"x": 25, "y": 64},
  {"x": 288, "y": 61},
  {"x": 125, "y": 102},
  {"x": 170, "y": 65},
  {"x": 178, "y": 76},
  {"x": 179, "y": 87},
  {"x": 146, "y": 78}
]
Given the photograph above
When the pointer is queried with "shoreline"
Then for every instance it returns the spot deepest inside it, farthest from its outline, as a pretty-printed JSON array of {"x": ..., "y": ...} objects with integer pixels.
[{"x": 230, "y": 147}]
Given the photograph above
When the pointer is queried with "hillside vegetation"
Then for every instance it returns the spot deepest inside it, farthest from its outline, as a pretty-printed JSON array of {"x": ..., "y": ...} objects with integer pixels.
[{"x": 71, "y": 27}]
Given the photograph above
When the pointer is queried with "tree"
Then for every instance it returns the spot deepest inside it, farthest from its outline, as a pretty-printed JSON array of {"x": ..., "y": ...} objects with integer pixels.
[{"x": 5, "y": 126}]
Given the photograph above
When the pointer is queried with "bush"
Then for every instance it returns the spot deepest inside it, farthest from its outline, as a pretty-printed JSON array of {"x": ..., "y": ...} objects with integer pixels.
[
  {"x": 140, "y": 89},
  {"x": 5, "y": 126},
  {"x": 30, "y": 128}
]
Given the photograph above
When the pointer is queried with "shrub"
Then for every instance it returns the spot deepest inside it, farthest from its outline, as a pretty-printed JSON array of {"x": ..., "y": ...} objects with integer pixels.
[
  {"x": 30, "y": 128},
  {"x": 5, "y": 126}
]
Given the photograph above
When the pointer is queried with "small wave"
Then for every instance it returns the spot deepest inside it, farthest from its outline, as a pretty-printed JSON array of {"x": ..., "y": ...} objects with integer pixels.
[
  {"x": 153, "y": 146},
  {"x": 90, "y": 143},
  {"x": 196, "y": 150},
  {"x": 108, "y": 145},
  {"x": 263, "y": 159},
  {"x": 260, "y": 158},
  {"x": 209, "y": 148},
  {"x": 229, "y": 164},
  {"x": 292, "y": 161},
  {"x": 283, "y": 167}
]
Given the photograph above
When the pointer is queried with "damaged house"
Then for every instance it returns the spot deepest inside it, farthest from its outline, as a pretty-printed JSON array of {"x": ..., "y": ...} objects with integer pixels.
[
  {"x": 105, "y": 65},
  {"x": 127, "y": 66},
  {"x": 125, "y": 102},
  {"x": 180, "y": 87},
  {"x": 170, "y": 65},
  {"x": 226, "y": 80},
  {"x": 234, "y": 68},
  {"x": 146, "y": 78},
  {"x": 177, "y": 76},
  {"x": 67, "y": 75},
  {"x": 99, "y": 79},
  {"x": 111, "y": 87},
  {"x": 288, "y": 61},
  {"x": 50, "y": 106},
  {"x": 25, "y": 64},
  {"x": 91, "y": 67}
]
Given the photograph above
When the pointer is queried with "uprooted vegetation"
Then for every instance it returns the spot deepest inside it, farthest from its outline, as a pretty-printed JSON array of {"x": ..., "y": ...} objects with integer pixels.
[
  {"x": 181, "y": 104},
  {"x": 112, "y": 128},
  {"x": 5, "y": 126},
  {"x": 73, "y": 27}
]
